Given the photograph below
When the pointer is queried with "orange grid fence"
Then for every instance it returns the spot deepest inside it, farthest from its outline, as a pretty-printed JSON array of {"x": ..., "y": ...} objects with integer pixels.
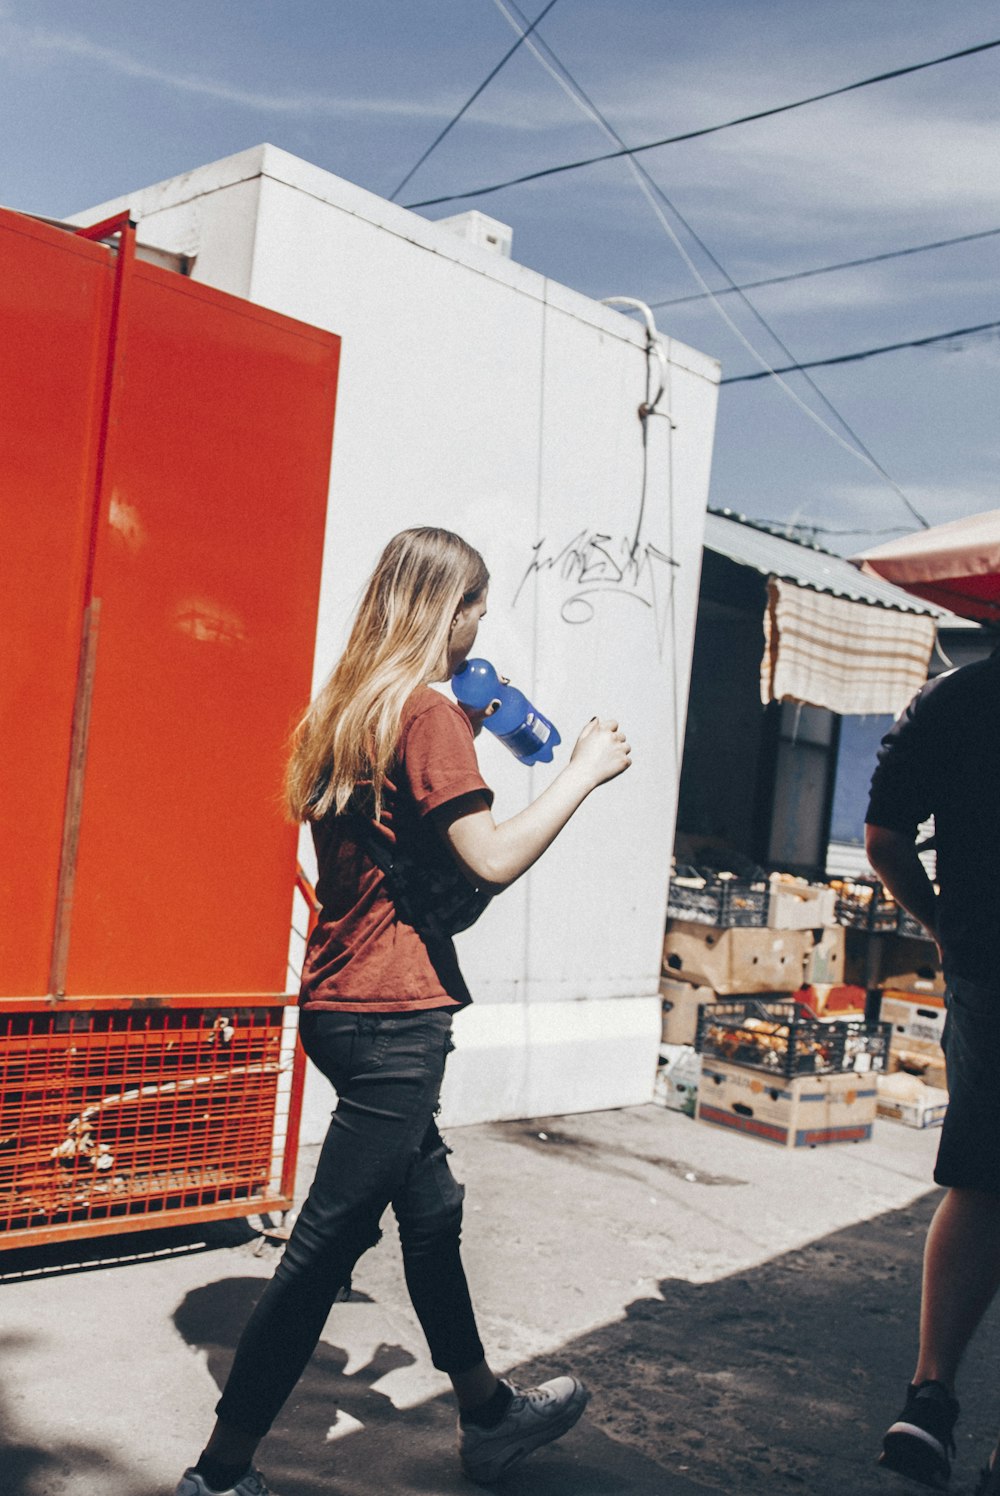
[{"x": 121, "y": 1118}]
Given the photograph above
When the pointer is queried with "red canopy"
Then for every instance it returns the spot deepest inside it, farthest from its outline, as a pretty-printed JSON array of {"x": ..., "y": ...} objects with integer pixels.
[{"x": 956, "y": 565}]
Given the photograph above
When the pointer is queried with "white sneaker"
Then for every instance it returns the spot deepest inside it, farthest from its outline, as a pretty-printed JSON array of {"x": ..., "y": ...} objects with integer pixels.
[
  {"x": 535, "y": 1417},
  {"x": 252, "y": 1484}
]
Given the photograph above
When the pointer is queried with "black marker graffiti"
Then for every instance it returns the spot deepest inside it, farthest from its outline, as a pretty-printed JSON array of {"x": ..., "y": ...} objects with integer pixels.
[{"x": 595, "y": 563}]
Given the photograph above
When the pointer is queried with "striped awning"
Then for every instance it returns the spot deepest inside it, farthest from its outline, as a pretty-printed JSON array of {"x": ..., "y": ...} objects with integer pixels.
[{"x": 845, "y": 655}]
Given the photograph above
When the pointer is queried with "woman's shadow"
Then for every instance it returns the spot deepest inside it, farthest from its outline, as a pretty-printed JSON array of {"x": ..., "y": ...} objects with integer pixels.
[
  {"x": 327, "y": 1411},
  {"x": 338, "y": 1436}
]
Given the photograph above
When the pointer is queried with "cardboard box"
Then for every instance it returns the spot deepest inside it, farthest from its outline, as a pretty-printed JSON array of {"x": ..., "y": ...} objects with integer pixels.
[
  {"x": 904, "y": 1098},
  {"x": 677, "y": 1078},
  {"x": 735, "y": 960},
  {"x": 926, "y": 981},
  {"x": 918, "y": 998},
  {"x": 800, "y": 1113},
  {"x": 801, "y": 906},
  {"x": 926, "y": 1062},
  {"x": 825, "y": 958},
  {"x": 912, "y": 1019},
  {"x": 681, "y": 1002}
]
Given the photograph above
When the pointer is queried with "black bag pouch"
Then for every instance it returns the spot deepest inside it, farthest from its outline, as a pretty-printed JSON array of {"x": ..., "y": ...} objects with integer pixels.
[{"x": 436, "y": 899}]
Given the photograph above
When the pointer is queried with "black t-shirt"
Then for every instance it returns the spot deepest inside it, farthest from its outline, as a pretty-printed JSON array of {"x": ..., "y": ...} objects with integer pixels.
[{"x": 942, "y": 757}]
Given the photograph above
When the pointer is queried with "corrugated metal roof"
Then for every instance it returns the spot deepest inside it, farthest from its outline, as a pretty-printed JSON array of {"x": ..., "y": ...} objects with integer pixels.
[{"x": 809, "y": 566}]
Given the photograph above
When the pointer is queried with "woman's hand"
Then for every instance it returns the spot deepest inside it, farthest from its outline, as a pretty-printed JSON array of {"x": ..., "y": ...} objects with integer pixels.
[
  {"x": 601, "y": 752},
  {"x": 477, "y": 715}
]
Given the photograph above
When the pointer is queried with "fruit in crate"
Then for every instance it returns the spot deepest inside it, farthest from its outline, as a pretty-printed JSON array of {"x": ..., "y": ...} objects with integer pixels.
[{"x": 760, "y": 1041}]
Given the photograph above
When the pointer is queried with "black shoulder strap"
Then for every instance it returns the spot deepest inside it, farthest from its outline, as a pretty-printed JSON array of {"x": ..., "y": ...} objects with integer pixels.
[{"x": 366, "y": 836}]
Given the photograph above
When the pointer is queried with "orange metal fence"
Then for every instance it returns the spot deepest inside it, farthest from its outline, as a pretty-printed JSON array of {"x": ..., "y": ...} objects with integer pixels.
[
  {"x": 124, "y": 1117},
  {"x": 119, "y": 1114}
]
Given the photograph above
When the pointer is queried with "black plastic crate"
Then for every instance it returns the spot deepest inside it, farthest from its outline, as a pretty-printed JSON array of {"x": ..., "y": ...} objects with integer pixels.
[
  {"x": 865, "y": 905},
  {"x": 779, "y": 1038},
  {"x": 723, "y": 902}
]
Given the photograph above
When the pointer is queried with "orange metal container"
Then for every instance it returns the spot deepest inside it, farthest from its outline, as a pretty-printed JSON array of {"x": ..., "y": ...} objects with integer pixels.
[
  {"x": 164, "y": 461},
  {"x": 55, "y": 297}
]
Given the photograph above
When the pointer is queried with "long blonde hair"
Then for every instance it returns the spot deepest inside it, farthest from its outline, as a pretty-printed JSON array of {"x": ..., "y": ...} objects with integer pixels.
[{"x": 399, "y": 642}]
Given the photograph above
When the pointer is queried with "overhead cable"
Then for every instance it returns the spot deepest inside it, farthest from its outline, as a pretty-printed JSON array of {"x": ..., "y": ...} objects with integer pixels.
[
  {"x": 470, "y": 101},
  {"x": 853, "y": 358},
  {"x": 784, "y": 526},
  {"x": 743, "y": 119},
  {"x": 794, "y": 275},
  {"x": 648, "y": 186}
]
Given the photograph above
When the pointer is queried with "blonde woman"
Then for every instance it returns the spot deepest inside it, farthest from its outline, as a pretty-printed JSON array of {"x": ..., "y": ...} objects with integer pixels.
[{"x": 380, "y": 754}]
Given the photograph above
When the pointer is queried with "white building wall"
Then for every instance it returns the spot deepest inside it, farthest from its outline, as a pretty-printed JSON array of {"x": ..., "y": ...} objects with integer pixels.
[{"x": 478, "y": 395}]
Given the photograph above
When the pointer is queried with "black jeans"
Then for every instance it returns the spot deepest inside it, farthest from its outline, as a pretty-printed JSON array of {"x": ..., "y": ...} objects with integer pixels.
[{"x": 382, "y": 1148}]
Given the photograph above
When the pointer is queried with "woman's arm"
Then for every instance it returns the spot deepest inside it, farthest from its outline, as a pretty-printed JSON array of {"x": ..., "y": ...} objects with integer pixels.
[{"x": 494, "y": 856}]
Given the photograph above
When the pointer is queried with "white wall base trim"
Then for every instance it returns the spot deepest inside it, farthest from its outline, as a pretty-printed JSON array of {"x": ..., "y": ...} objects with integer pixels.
[{"x": 534, "y": 1059}]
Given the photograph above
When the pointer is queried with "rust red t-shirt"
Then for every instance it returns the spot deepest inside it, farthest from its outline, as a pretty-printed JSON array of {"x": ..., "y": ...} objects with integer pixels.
[{"x": 361, "y": 955}]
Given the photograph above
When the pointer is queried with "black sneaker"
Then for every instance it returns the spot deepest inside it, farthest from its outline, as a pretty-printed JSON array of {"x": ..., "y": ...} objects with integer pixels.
[
  {"x": 989, "y": 1479},
  {"x": 920, "y": 1441}
]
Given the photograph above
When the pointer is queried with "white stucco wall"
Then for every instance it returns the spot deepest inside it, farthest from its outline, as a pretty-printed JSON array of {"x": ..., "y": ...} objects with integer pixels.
[{"x": 478, "y": 395}]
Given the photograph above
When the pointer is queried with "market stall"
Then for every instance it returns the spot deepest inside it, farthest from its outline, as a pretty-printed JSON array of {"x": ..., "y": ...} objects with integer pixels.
[
  {"x": 840, "y": 640},
  {"x": 797, "y": 1011}
]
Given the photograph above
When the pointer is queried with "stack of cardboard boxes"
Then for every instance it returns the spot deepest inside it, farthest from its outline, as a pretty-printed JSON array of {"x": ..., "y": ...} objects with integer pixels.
[
  {"x": 912, "y": 986},
  {"x": 781, "y": 946}
]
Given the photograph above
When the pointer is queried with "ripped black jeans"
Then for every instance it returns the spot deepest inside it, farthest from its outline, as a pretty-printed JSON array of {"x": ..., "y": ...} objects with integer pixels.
[{"x": 382, "y": 1148}]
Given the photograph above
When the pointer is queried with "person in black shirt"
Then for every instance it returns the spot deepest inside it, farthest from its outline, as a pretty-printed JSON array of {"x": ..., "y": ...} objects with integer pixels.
[{"x": 942, "y": 757}]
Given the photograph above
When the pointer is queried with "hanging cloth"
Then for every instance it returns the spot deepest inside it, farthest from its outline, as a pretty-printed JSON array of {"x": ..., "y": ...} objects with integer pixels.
[{"x": 851, "y": 657}]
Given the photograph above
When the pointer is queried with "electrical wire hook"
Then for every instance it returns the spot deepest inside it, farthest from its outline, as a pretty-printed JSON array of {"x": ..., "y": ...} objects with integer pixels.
[{"x": 654, "y": 346}]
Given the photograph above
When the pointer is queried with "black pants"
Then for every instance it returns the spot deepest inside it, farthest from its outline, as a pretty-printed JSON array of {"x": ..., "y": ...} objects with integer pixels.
[
  {"x": 969, "y": 1149},
  {"x": 382, "y": 1148}
]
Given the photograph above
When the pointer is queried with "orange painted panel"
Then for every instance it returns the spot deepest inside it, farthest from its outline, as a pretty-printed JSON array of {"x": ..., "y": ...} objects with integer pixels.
[
  {"x": 54, "y": 304},
  {"x": 207, "y": 571}
]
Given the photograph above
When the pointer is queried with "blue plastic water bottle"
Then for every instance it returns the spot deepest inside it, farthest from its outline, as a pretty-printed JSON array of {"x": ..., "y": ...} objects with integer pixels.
[{"x": 519, "y": 726}]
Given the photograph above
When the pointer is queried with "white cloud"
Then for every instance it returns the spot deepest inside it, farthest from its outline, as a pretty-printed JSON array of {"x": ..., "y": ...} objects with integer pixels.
[
  {"x": 854, "y": 291},
  {"x": 517, "y": 112},
  {"x": 924, "y": 151},
  {"x": 39, "y": 43},
  {"x": 911, "y": 153},
  {"x": 869, "y": 159}
]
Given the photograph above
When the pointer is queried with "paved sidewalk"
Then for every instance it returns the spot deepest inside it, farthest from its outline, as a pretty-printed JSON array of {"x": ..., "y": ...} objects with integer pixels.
[{"x": 744, "y": 1315}]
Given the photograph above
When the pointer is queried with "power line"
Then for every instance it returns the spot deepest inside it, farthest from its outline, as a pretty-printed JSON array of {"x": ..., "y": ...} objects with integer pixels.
[
  {"x": 794, "y": 275},
  {"x": 648, "y": 186},
  {"x": 781, "y": 527},
  {"x": 470, "y": 101},
  {"x": 743, "y": 119},
  {"x": 852, "y": 358}
]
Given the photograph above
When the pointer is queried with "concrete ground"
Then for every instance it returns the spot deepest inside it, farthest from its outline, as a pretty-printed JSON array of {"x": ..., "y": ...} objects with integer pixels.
[{"x": 745, "y": 1317}]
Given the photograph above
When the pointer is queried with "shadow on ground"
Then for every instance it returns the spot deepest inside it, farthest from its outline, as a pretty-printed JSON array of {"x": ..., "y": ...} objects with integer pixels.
[
  {"x": 90, "y": 1254},
  {"x": 779, "y": 1380},
  {"x": 775, "y": 1381},
  {"x": 31, "y": 1470},
  {"x": 339, "y": 1436}
]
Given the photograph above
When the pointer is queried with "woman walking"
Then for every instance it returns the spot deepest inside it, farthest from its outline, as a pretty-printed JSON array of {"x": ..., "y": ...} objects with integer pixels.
[{"x": 384, "y": 769}]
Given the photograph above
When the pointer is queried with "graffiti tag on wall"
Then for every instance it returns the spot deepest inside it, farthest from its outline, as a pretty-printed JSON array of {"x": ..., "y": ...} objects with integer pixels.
[{"x": 594, "y": 565}]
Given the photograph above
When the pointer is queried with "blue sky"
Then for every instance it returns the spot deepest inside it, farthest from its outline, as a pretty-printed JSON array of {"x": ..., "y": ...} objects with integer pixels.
[{"x": 101, "y": 96}]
